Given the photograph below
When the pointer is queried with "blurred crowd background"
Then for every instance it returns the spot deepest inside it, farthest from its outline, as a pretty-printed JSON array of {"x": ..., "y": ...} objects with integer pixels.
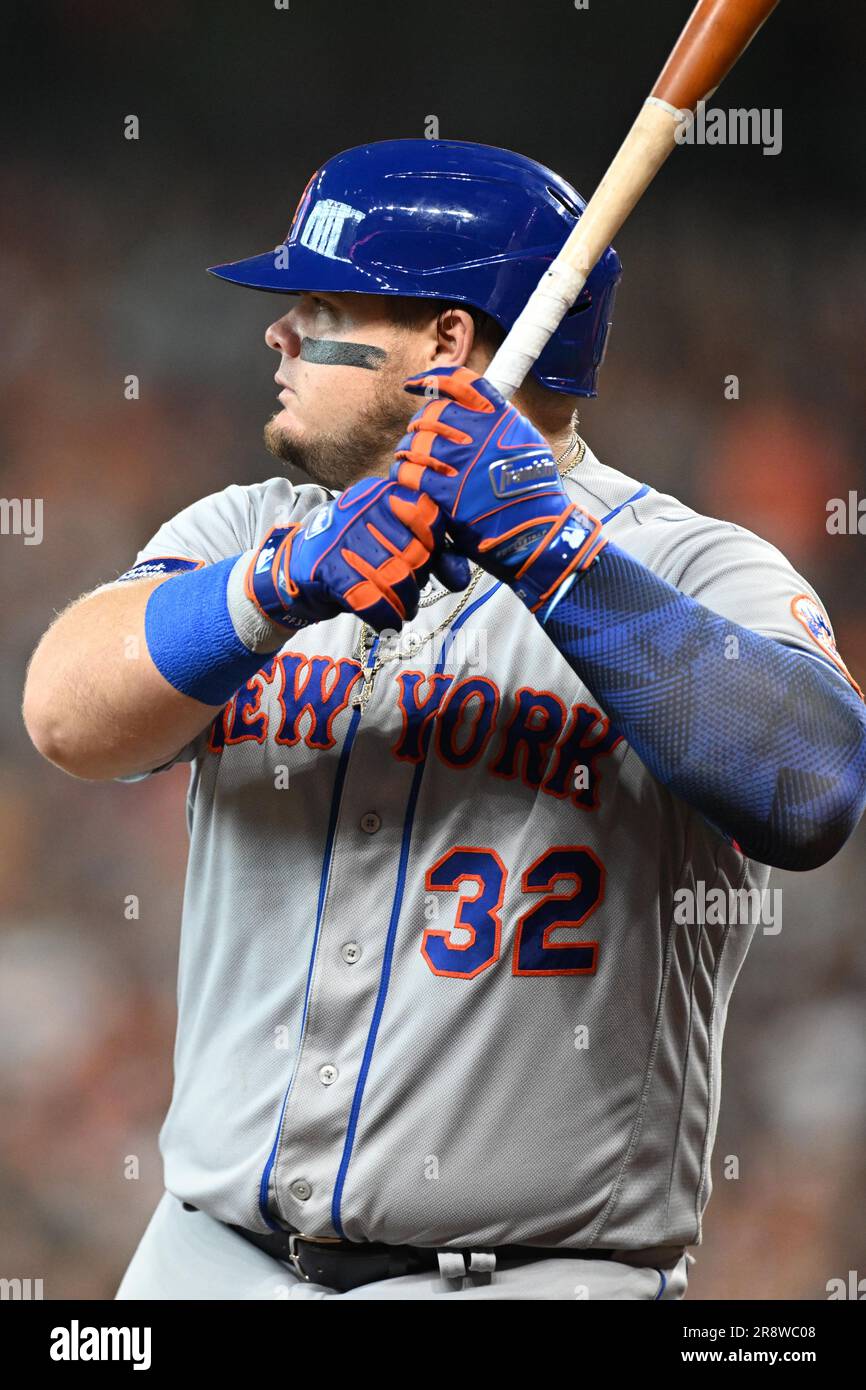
[{"x": 737, "y": 263}]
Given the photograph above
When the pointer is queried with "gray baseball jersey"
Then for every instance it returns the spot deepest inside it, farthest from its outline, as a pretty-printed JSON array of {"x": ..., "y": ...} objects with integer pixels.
[{"x": 433, "y": 987}]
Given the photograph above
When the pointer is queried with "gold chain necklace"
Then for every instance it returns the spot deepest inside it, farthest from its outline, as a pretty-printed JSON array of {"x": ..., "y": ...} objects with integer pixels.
[{"x": 416, "y": 640}]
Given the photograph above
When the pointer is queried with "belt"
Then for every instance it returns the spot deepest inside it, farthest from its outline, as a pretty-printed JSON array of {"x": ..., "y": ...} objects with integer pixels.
[{"x": 346, "y": 1264}]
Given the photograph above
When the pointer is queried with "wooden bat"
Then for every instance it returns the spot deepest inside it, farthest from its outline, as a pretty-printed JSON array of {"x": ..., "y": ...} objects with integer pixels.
[{"x": 717, "y": 33}]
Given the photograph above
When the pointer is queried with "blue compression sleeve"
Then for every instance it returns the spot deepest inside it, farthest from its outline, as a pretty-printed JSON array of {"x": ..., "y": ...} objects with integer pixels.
[{"x": 767, "y": 742}]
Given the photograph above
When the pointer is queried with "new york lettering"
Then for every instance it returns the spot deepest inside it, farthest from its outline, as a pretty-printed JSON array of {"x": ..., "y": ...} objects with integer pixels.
[{"x": 532, "y": 735}]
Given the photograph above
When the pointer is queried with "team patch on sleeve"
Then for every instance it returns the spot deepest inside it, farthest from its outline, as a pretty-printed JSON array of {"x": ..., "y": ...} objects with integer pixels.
[
  {"x": 817, "y": 624},
  {"x": 161, "y": 564}
]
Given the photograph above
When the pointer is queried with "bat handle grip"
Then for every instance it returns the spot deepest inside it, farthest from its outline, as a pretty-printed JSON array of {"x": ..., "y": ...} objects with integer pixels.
[{"x": 542, "y": 314}]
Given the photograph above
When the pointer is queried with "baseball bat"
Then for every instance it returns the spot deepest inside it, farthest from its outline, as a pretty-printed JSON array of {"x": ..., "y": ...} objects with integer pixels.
[{"x": 716, "y": 34}]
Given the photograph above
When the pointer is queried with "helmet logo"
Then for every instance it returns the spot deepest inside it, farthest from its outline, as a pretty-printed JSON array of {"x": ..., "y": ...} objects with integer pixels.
[{"x": 324, "y": 228}]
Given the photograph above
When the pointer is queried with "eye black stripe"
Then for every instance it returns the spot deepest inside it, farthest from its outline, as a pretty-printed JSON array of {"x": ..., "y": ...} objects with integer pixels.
[{"x": 336, "y": 354}]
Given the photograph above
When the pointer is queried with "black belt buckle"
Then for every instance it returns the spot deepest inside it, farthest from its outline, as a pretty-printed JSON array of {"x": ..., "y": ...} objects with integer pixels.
[
  {"x": 293, "y": 1257},
  {"x": 294, "y": 1250},
  {"x": 339, "y": 1264}
]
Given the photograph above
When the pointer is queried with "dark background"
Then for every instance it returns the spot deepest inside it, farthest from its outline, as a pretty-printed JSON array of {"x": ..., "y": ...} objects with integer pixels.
[{"x": 735, "y": 262}]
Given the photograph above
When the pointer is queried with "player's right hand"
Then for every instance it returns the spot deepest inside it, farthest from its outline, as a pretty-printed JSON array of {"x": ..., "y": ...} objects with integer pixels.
[
  {"x": 493, "y": 474},
  {"x": 368, "y": 552}
]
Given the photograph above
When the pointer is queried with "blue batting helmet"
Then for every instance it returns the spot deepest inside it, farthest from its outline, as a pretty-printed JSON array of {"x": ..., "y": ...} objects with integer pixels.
[{"x": 443, "y": 219}]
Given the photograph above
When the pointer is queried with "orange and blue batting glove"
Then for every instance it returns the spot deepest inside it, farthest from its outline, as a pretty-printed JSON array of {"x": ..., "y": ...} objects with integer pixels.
[
  {"x": 368, "y": 552},
  {"x": 495, "y": 479}
]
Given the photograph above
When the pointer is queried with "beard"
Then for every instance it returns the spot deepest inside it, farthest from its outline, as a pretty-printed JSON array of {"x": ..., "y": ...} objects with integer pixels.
[{"x": 338, "y": 458}]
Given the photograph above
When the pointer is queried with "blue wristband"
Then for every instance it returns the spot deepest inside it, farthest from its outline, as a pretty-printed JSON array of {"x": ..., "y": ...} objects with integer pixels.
[{"x": 191, "y": 637}]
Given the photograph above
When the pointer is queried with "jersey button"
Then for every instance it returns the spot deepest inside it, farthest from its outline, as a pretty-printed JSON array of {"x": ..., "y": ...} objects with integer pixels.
[
  {"x": 370, "y": 822},
  {"x": 350, "y": 952},
  {"x": 328, "y": 1074},
  {"x": 301, "y": 1189}
]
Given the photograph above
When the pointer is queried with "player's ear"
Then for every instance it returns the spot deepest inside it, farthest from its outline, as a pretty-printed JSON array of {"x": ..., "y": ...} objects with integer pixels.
[{"x": 455, "y": 336}]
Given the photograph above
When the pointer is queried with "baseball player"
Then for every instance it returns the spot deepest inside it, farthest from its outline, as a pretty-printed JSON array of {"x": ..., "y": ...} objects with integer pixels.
[{"x": 469, "y": 716}]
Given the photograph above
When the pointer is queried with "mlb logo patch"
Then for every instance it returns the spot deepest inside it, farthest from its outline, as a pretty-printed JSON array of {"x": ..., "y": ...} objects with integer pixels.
[{"x": 576, "y": 532}]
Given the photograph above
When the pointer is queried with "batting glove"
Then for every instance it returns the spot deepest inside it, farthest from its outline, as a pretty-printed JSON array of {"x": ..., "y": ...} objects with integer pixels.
[
  {"x": 368, "y": 552},
  {"x": 495, "y": 479}
]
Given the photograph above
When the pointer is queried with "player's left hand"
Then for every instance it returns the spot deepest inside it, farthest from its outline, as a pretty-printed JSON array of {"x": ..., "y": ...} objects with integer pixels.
[
  {"x": 493, "y": 475},
  {"x": 367, "y": 552}
]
